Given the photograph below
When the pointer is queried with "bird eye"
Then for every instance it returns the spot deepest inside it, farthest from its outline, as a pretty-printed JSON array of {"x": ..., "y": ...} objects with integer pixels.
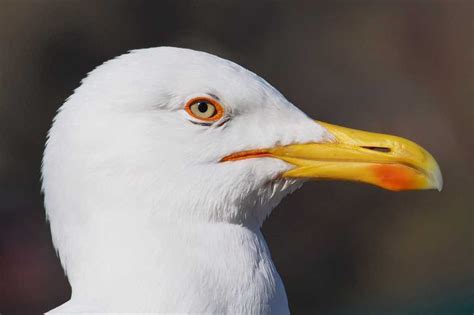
[{"x": 205, "y": 109}]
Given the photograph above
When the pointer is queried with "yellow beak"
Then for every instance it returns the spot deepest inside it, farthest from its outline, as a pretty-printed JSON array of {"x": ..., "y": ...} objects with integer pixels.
[{"x": 386, "y": 161}]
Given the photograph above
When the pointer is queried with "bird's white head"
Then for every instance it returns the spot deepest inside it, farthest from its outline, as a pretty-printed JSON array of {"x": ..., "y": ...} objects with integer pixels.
[
  {"x": 147, "y": 132},
  {"x": 177, "y": 135}
]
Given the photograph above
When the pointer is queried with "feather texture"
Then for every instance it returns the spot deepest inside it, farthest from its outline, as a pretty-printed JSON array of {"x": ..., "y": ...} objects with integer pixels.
[{"x": 142, "y": 214}]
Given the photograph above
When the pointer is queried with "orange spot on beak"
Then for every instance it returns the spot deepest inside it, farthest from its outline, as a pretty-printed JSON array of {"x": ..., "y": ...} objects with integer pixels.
[{"x": 396, "y": 176}]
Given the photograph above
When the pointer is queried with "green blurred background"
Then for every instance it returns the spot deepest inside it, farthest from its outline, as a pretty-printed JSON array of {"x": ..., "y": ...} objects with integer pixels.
[{"x": 401, "y": 67}]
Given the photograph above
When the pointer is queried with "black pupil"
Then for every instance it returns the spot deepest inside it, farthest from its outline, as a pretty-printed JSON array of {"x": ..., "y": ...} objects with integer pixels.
[{"x": 202, "y": 107}]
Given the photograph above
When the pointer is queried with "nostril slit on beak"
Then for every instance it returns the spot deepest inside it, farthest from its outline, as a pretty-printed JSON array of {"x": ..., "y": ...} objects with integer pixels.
[{"x": 379, "y": 149}]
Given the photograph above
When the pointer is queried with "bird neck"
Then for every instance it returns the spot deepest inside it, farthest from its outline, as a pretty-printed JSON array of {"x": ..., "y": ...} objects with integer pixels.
[{"x": 175, "y": 266}]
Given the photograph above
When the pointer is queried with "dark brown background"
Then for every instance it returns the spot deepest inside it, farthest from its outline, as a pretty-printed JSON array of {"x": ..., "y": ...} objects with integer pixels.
[{"x": 401, "y": 67}]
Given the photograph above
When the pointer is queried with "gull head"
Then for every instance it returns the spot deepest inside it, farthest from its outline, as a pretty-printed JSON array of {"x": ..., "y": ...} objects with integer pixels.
[
  {"x": 149, "y": 132},
  {"x": 185, "y": 136}
]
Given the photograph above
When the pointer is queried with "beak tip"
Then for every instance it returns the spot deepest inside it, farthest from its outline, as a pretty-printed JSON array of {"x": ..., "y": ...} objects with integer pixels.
[
  {"x": 437, "y": 178},
  {"x": 439, "y": 181}
]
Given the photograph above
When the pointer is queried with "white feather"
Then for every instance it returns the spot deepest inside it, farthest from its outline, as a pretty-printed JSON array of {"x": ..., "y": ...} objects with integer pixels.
[{"x": 143, "y": 215}]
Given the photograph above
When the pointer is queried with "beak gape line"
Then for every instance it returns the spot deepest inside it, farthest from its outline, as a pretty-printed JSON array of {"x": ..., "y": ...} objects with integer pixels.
[{"x": 387, "y": 161}]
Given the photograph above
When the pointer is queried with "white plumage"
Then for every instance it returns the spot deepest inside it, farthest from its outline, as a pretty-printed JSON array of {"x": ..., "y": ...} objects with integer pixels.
[
  {"x": 143, "y": 216},
  {"x": 156, "y": 208}
]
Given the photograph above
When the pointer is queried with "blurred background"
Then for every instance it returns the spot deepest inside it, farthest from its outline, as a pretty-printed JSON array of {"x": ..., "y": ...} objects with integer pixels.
[{"x": 401, "y": 67}]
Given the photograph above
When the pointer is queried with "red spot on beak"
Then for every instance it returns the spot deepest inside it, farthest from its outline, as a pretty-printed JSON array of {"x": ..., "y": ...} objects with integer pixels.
[{"x": 395, "y": 176}]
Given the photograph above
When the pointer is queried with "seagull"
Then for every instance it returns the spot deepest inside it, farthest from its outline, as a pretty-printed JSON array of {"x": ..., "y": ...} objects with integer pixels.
[{"x": 161, "y": 167}]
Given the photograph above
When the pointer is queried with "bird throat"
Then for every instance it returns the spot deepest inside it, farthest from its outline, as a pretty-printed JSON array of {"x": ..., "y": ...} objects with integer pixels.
[{"x": 178, "y": 268}]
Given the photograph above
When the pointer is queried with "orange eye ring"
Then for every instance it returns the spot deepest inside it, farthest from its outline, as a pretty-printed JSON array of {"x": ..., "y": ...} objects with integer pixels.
[{"x": 204, "y": 109}]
